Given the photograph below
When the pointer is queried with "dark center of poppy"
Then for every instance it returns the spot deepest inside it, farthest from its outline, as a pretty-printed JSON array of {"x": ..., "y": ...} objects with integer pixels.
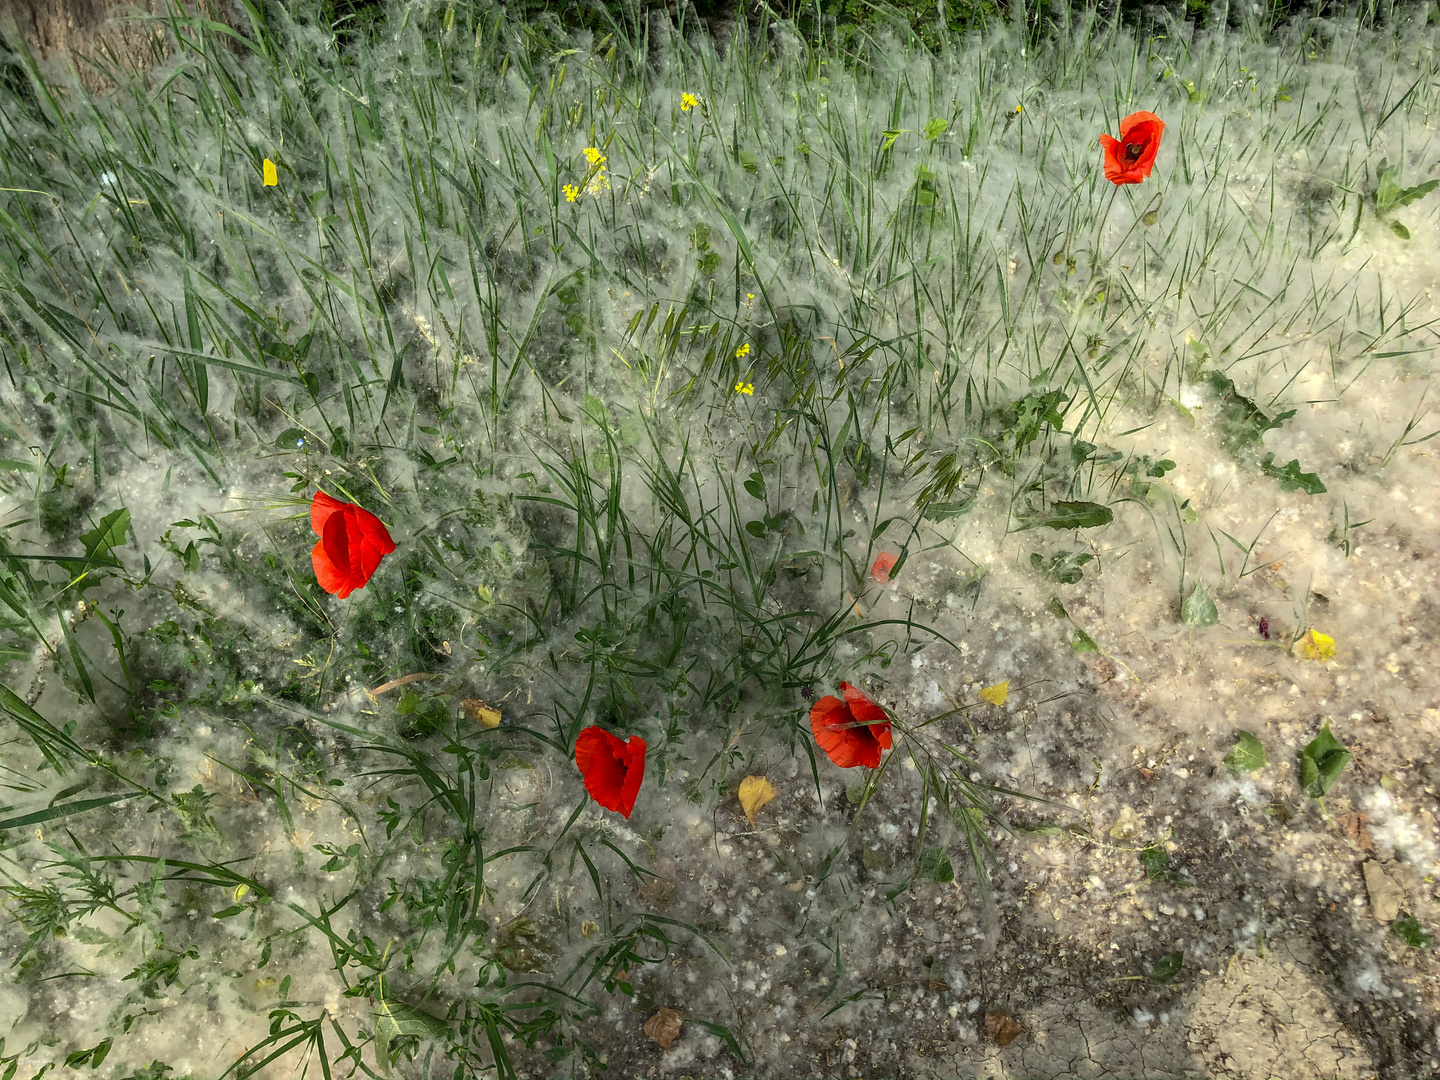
[{"x": 1133, "y": 152}]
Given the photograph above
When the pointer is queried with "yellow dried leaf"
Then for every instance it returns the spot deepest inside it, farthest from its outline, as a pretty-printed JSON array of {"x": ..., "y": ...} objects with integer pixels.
[
  {"x": 996, "y": 694},
  {"x": 483, "y": 714},
  {"x": 272, "y": 177},
  {"x": 755, "y": 792},
  {"x": 1316, "y": 646},
  {"x": 664, "y": 1027}
]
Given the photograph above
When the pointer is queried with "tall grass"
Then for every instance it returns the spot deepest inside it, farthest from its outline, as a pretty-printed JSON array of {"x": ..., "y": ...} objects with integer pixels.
[{"x": 911, "y": 259}]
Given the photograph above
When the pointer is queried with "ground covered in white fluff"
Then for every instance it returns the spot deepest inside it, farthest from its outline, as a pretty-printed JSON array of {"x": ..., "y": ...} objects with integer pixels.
[{"x": 1157, "y": 459}]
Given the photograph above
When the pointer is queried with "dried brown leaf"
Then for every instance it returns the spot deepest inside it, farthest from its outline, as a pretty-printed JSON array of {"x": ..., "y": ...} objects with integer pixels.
[
  {"x": 664, "y": 1027},
  {"x": 1002, "y": 1027}
]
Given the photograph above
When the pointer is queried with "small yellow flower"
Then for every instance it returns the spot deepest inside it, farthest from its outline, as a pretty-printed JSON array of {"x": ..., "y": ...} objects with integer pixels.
[
  {"x": 571, "y": 192},
  {"x": 745, "y": 388},
  {"x": 743, "y": 350},
  {"x": 594, "y": 157},
  {"x": 688, "y": 102},
  {"x": 271, "y": 176},
  {"x": 1019, "y": 108}
]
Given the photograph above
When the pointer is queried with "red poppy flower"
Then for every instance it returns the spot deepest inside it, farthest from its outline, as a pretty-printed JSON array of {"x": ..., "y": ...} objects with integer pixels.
[
  {"x": 612, "y": 768},
  {"x": 1129, "y": 159},
  {"x": 352, "y": 542},
  {"x": 884, "y": 563},
  {"x": 851, "y": 732}
]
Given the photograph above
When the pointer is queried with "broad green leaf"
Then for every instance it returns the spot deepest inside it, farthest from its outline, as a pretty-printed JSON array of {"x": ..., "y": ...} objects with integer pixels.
[
  {"x": 1248, "y": 754},
  {"x": 109, "y": 534},
  {"x": 943, "y": 511},
  {"x": 1167, "y": 967},
  {"x": 1074, "y": 515},
  {"x": 1399, "y": 229},
  {"x": 936, "y": 127},
  {"x": 935, "y": 865},
  {"x": 1199, "y": 609},
  {"x": 1156, "y": 861},
  {"x": 1291, "y": 477},
  {"x": 1321, "y": 763}
]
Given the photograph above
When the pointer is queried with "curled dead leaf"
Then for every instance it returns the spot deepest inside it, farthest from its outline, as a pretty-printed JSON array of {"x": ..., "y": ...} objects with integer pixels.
[
  {"x": 754, "y": 792},
  {"x": 1002, "y": 1027},
  {"x": 664, "y": 1027},
  {"x": 485, "y": 715}
]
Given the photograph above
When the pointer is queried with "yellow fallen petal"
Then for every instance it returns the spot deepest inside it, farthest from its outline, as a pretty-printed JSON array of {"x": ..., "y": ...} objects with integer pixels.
[
  {"x": 755, "y": 792},
  {"x": 481, "y": 713},
  {"x": 271, "y": 176},
  {"x": 1316, "y": 646},
  {"x": 996, "y": 694}
]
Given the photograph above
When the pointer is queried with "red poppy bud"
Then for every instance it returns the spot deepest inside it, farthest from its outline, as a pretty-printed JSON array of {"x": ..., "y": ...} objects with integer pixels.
[
  {"x": 851, "y": 732},
  {"x": 884, "y": 563},
  {"x": 352, "y": 543},
  {"x": 1129, "y": 159},
  {"x": 612, "y": 768}
]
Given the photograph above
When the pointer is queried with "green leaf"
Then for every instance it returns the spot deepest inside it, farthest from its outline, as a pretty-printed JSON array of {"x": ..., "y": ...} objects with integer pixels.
[
  {"x": 109, "y": 534},
  {"x": 756, "y": 486},
  {"x": 943, "y": 511},
  {"x": 1248, "y": 754},
  {"x": 935, "y": 865},
  {"x": 50, "y": 813},
  {"x": 1400, "y": 230},
  {"x": 1411, "y": 932},
  {"x": 1167, "y": 967},
  {"x": 1156, "y": 861},
  {"x": 1064, "y": 566},
  {"x": 755, "y": 529},
  {"x": 1199, "y": 609},
  {"x": 1291, "y": 478},
  {"x": 1321, "y": 763},
  {"x": 1083, "y": 642},
  {"x": 1073, "y": 515},
  {"x": 1242, "y": 422},
  {"x": 890, "y": 135},
  {"x": 936, "y": 127},
  {"x": 232, "y": 910},
  {"x": 1410, "y": 194}
]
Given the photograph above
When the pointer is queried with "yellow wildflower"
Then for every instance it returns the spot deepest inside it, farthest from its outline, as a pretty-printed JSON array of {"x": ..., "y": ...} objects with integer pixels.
[
  {"x": 743, "y": 350},
  {"x": 594, "y": 157},
  {"x": 571, "y": 192},
  {"x": 1316, "y": 646},
  {"x": 271, "y": 176},
  {"x": 745, "y": 388},
  {"x": 688, "y": 102}
]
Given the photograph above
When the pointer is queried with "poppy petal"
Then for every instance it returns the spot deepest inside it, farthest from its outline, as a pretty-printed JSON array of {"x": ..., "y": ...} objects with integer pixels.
[
  {"x": 862, "y": 707},
  {"x": 827, "y": 719},
  {"x": 845, "y": 742},
  {"x": 321, "y": 507},
  {"x": 336, "y": 542},
  {"x": 884, "y": 563},
  {"x": 330, "y": 578},
  {"x": 634, "y": 774},
  {"x": 1135, "y": 119}
]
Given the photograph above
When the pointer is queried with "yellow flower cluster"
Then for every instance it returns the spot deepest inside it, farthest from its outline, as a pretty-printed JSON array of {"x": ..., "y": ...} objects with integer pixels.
[
  {"x": 688, "y": 102},
  {"x": 743, "y": 350},
  {"x": 745, "y": 388},
  {"x": 571, "y": 192},
  {"x": 601, "y": 180}
]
